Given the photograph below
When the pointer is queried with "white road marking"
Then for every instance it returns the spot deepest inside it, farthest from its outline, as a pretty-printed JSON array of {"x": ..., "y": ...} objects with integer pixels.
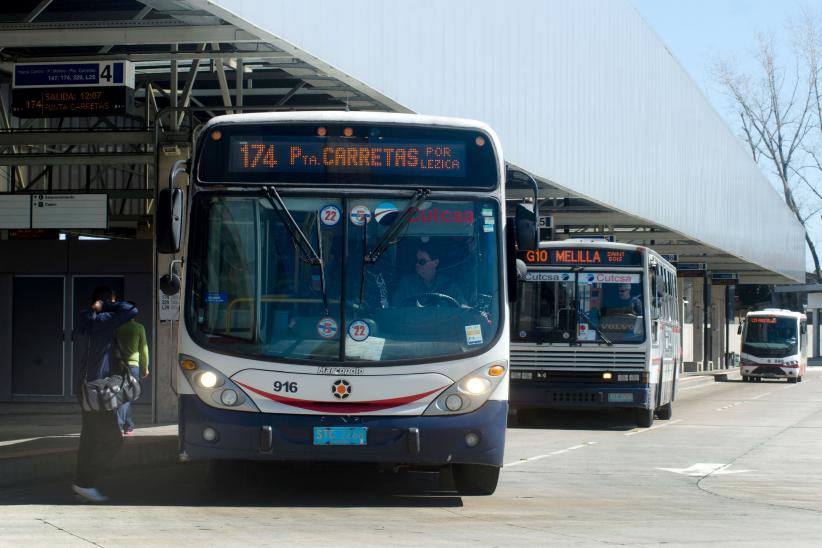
[
  {"x": 699, "y": 386},
  {"x": 635, "y": 432},
  {"x": 734, "y": 404},
  {"x": 15, "y": 442},
  {"x": 705, "y": 469},
  {"x": 761, "y": 396},
  {"x": 553, "y": 453}
]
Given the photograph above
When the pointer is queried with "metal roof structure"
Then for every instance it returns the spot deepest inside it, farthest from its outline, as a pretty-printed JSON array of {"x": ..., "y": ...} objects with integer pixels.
[{"x": 584, "y": 96}]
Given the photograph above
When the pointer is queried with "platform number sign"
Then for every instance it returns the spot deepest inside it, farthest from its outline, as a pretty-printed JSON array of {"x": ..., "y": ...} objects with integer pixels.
[{"x": 105, "y": 73}]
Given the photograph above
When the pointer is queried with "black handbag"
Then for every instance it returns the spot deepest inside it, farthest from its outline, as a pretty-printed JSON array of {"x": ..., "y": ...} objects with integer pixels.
[{"x": 109, "y": 393}]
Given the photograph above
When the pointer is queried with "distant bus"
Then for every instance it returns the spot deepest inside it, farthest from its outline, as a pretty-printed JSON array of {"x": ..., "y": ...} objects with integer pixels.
[
  {"x": 298, "y": 342},
  {"x": 596, "y": 325},
  {"x": 774, "y": 345}
]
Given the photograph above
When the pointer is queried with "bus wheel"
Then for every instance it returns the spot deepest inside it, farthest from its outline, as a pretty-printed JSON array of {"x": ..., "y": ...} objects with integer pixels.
[
  {"x": 475, "y": 479},
  {"x": 799, "y": 378},
  {"x": 644, "y": 417},
  {"x": 665, "y": 412},
  {"x": 746, "y": 378},
  {"x": 792, "y": 379}
]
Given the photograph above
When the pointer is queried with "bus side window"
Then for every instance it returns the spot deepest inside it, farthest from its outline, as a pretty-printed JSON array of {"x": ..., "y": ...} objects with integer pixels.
[{"x": 654, "y": 304}]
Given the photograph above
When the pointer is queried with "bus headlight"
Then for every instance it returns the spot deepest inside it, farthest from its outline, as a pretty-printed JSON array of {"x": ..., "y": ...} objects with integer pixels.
[
  {"x": 207, "y": 379},
  {"x": 477, "y": 385},
  {"x": 470, "y": 392},
  {"x": 213, "y": 387}
]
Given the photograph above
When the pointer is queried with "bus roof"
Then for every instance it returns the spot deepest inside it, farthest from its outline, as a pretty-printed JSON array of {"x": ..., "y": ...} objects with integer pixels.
[
  {"x": 331, "y": 116},
  {"x": 776, "y": 312}
]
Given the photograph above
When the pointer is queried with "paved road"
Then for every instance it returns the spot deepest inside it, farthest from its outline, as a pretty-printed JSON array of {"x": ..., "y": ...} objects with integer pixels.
[{"x": 740, "y": 464}]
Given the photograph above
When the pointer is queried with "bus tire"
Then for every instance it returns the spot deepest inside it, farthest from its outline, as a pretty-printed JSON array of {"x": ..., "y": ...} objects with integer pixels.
[
  {"x": 746, "y": 378},
  {"x": 792, "y": 379},
  {"x": 475, "y": 479},
  {"x": 644, "y": 417},
  {"x": 666, "y": 411},
  {"x": 799, "y": 378}
]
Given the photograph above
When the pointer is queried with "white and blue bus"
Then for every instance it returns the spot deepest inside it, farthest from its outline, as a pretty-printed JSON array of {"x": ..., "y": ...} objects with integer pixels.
[
  {"x": 310, "y": 332},
  {"x": 596, "y": 325}
]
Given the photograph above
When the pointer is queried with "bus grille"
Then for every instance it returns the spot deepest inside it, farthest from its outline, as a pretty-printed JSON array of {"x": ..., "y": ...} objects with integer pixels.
[{"x": 574, "y": 359}]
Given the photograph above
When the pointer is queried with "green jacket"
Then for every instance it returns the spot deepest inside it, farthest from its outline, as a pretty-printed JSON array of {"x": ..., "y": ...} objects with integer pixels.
[{"x": 132, "y": 339}]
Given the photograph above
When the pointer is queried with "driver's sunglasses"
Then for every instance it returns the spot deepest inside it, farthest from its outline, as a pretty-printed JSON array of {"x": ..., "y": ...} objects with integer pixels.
[{"x": 423, "y": 262}]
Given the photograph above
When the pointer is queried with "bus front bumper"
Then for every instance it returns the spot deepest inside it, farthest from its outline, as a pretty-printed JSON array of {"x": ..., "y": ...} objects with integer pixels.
[
  {"x": 542, "y": 394},
  {"x": 420, "y": 440}
]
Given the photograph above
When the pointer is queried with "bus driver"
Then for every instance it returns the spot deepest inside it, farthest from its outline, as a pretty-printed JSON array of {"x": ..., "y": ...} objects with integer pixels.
[{"x": 424, "y": 286}]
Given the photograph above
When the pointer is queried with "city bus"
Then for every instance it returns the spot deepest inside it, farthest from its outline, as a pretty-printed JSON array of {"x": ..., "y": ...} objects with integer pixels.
[
  {"x": 774, "y": 345},
  {"x": 310, "y": 330},
  {"x": 595, "y": 325}
]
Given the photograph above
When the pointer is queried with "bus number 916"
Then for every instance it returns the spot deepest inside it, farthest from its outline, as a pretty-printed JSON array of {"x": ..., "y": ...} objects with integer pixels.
[{"x": 285, "y": 386}]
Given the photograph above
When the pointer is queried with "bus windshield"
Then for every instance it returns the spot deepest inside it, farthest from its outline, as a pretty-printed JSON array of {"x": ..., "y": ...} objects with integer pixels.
[
  {"x": 431, "y": 293},
  {"x": 580, "y": 307},
  {"x": 770, "y": 337}
]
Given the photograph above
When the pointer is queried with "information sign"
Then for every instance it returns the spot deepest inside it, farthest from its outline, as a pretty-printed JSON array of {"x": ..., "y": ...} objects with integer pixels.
[
  {"x": 69, "y": 211},
  {"x": 73, "y": 73},
  {"x": 582, "y": 256}
]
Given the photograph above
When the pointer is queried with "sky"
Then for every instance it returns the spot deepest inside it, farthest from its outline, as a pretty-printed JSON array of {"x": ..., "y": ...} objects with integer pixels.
[{"x": 698, "y": 32}]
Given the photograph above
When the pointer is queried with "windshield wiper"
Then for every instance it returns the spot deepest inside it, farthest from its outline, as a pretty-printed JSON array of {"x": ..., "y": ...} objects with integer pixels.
[
  {"x": 608, "y": 341},
  {"x": 420, "y": 195},
  {"x": 371, "y": 257},
  {"x": 307, "y": 252}
]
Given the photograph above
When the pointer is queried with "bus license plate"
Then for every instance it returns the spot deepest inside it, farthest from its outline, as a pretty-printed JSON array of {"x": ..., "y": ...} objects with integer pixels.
[
  {"x": 340, "y": 435},
  {"x": 620, "y": 397}
]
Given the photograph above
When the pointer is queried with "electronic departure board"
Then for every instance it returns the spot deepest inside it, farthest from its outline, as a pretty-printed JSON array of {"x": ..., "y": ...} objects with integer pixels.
[
  {"x": 756, "y": 319},
  {"x": 582, "y": 256},
  {"x": 382, "y": 155},
  {"x": 444, "y": 159},
  {"x": 70, "y": 101}
]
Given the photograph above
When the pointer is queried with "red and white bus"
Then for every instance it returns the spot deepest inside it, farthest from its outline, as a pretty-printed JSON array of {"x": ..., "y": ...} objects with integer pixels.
[{"x": 774, "y": 345}]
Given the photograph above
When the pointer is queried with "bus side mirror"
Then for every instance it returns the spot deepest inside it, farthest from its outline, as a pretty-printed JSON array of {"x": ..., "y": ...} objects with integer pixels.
[
  {"x": 802, "y": 329},
  {"x": 169, "y": 220},
  {"x": 739, "y": 330},
  {"x": 170, "y": 283},
  {"x": 527, "y": 230}
]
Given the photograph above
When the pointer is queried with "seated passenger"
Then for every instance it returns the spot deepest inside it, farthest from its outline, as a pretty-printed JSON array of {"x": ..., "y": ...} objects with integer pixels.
[{"x": 426, "y": 281}]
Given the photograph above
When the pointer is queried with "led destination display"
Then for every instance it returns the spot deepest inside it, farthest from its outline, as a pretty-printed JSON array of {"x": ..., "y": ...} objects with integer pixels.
[
  {"x": 582, "y": 256},
  {"x": 439, "y": 159}
]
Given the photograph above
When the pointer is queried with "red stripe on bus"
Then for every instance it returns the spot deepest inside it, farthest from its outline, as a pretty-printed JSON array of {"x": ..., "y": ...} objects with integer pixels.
[{"x": 341, "y": 407}]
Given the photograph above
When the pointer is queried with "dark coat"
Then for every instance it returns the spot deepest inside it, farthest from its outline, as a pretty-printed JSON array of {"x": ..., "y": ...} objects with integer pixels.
[{"x": 100, "y": 328}]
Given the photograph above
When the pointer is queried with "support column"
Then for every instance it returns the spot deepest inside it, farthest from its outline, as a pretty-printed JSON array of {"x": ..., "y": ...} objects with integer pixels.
[{"x": 165, "y": 348}]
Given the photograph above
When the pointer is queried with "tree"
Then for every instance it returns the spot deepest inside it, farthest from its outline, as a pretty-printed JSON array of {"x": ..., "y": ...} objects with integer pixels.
[{"x": 779, "y": 110}]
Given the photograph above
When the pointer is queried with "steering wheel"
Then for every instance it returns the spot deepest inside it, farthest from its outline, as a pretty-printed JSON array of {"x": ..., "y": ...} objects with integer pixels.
[{"x": 438, "y": 297}]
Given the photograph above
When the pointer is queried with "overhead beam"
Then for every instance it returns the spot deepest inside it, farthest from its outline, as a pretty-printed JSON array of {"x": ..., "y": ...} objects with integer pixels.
[
  {"x": 180, "y": 56},
  {"x": 226, "y": 95},
  {"x": 58, "y": 38},
  {"x": 99, "y": 159},
  {"x": 51, "y": 138},
  {"x": 137, "y": 17}
]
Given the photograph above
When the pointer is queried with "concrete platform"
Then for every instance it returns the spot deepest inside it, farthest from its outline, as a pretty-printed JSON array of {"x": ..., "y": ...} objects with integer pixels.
[
  {"x": 39, "y": 442},
  {"x": 42, "y": 446}
]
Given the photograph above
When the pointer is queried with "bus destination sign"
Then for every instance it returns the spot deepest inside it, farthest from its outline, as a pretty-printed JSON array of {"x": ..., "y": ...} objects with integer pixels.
[
  {"x": 582, "y": 256},
  {"x": 438, "y": 159}
]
